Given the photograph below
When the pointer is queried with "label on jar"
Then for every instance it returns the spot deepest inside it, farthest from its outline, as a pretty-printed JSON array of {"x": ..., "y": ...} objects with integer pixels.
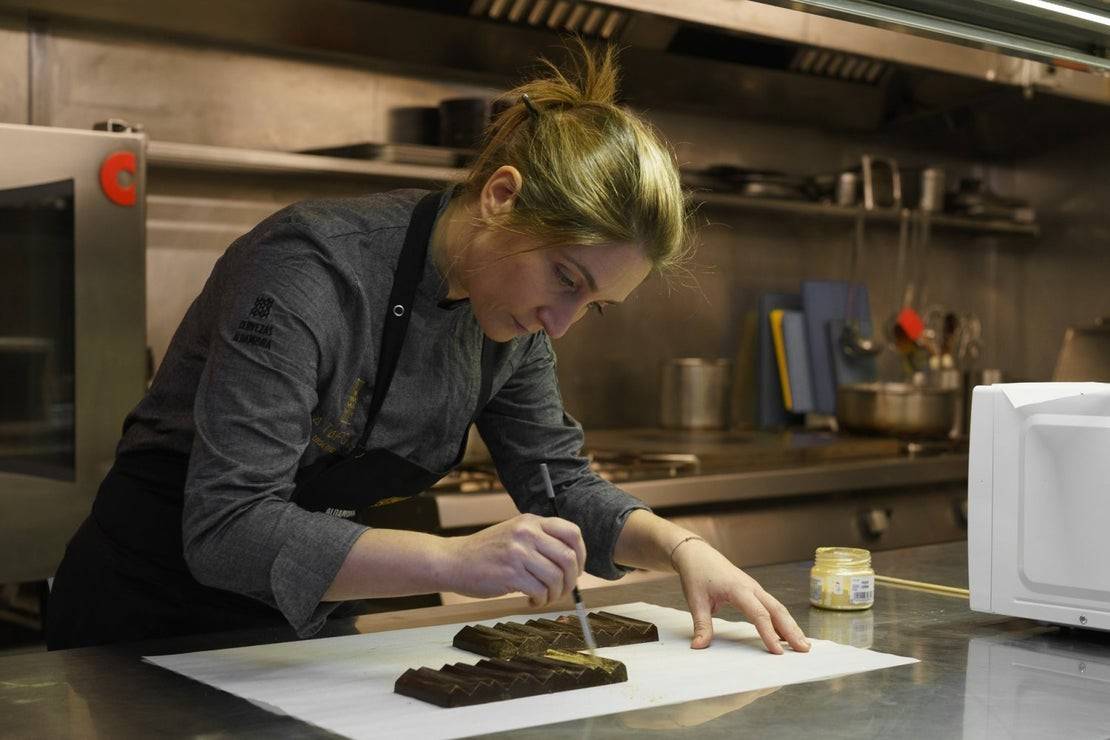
[
  {"x": 815, "y": 588},
  {"x": 862, "y": 590}
]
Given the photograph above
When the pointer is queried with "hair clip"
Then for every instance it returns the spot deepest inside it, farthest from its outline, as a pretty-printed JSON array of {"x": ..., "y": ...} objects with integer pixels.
[{"x": 532, "y": 109}]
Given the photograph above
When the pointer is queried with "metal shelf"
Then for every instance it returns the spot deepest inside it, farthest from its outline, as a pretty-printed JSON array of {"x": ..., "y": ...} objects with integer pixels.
[
  {"x": 229, "y": 159},
  {"x": 825, "y": 210}
]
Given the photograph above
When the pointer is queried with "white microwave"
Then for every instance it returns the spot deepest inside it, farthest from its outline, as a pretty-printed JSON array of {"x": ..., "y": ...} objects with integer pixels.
[{"x": 1039, "y": 502}]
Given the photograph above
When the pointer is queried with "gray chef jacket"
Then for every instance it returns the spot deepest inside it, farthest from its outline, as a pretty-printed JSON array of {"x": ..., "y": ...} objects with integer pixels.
[{"x": 273, "y": 367}]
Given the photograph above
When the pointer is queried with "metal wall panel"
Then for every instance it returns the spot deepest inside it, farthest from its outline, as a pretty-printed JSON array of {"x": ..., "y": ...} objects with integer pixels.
[
  {"x": 1067, "y": 281},
  {"x": 14, "y": 80},
  {"x": 207, "y": 95}
]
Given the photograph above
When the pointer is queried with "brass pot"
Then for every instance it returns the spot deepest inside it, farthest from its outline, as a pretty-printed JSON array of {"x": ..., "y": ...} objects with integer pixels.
[{"x": 897, "y": 409}]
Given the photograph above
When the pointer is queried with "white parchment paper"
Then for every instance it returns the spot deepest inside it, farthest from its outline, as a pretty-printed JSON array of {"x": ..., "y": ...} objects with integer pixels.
[{"x": 345, "y": 684}]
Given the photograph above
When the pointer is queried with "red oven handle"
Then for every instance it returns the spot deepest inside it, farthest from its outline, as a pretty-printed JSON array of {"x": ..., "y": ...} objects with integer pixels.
[{"x": 110, "y": 169}]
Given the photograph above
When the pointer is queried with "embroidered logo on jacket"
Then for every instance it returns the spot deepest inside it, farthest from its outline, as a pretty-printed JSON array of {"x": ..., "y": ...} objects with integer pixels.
[
  {"x": 351, "y": 403},
  {"x": 255, "y": 333},
  {"x": 262, "y": 306}
]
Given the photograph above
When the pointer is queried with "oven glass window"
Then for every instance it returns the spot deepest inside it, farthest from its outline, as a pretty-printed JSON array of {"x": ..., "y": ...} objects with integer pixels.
[{"x": 37, "y": 330}]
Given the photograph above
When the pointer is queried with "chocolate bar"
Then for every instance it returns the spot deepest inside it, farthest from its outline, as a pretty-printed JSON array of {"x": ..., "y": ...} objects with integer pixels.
[
  {"x": 509, "y": 639},
  {"x": 461, "y": 684},
  {"x": 497, "y": 642},
  {"x": 611, "y": 630}
]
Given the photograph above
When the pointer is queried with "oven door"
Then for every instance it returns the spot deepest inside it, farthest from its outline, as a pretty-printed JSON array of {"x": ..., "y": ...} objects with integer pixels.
[{"x": 72, "y": 332}]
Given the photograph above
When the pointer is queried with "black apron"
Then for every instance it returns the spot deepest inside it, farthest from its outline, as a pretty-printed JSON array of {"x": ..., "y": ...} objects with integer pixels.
[{"x": 124, "y": 575}]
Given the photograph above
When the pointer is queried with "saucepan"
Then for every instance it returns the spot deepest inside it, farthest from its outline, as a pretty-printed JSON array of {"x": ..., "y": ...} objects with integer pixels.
[{"x": 897, "y": 409}]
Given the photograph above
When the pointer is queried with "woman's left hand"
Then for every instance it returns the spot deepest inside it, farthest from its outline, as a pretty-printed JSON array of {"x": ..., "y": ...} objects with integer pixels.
[{"x": 709, "y": 581}]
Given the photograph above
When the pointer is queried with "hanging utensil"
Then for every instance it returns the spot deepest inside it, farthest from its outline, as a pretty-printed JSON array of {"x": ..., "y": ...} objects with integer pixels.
[
  {"x": 948, "y": 340},
  {"x": 919, "y": 345},
  {"x": 932, "y": 339},
  {"x": 968, "y": 340},
  {"x": 852, "y": 342},
  {"x": 932, "y": 201}
]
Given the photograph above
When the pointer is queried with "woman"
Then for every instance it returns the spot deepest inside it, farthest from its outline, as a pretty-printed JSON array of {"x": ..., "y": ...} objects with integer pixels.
[{"x": 335, "y": 360}]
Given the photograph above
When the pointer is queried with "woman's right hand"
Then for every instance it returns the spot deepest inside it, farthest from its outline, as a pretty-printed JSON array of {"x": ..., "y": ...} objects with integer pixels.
[{"x": 539, "y": 556}]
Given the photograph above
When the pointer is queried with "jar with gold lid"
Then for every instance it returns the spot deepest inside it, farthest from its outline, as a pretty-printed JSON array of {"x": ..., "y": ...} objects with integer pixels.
[{"x": 842, "y": 579}]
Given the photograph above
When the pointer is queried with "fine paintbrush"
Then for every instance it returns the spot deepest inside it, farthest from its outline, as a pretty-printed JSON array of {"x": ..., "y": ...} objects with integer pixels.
[{"x": 587, "y": 633}]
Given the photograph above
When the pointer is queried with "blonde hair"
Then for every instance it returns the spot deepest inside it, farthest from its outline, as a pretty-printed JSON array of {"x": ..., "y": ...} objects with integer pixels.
[{"x": 593, "y": 172}]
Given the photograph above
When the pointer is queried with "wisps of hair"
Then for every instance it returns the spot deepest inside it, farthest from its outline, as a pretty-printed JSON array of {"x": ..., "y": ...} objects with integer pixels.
[{"x": 593, "y": 171}]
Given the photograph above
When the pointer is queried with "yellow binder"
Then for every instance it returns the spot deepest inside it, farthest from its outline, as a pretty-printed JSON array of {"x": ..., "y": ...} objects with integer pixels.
[{"x": 780, "y": 357}]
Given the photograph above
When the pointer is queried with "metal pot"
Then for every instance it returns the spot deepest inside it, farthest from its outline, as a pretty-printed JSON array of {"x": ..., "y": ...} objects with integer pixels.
[
  {"x": 695, "y": 393},
  {"x": 418, "y": 124},
  {"x": 462, "y": 122},
  {"x": 898, "y": 409}
]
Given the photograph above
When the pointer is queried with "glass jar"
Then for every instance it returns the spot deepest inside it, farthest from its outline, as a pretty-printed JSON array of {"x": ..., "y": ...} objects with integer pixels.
[{"x": 842, "y": 579}]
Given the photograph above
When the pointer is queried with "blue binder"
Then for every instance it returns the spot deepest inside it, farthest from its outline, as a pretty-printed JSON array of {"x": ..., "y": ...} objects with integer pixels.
[
  {"x": 825, "y": 301},
  {"x": 797, "y": 361}
]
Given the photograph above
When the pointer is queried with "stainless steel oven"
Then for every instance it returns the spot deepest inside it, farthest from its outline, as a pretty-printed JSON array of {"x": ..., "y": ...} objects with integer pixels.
[{"x": 72, "y": 328}]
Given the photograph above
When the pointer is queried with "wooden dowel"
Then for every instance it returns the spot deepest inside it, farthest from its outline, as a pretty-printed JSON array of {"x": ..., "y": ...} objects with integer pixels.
[{"x": 922, "y": 586}]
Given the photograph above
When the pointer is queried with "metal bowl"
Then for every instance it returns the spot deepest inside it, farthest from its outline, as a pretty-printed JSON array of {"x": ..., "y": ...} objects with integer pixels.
[{"x": 897, "y": 409}]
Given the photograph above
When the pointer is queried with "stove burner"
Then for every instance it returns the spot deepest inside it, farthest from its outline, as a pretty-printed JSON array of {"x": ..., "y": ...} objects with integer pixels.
[{"x": 612, "y": 465}]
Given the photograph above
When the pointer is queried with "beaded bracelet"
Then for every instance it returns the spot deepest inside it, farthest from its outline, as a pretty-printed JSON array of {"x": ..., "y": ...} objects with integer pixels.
[{"x": 680, "y": 544}]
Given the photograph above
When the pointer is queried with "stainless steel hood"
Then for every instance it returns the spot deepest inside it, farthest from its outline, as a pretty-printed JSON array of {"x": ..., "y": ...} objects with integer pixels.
[
  {"x": 905, "y": 61},
  {"x": 1057, "y": 46},
  {"x": 1059, "y": 32},
  {"x": 936, "y": 70}
]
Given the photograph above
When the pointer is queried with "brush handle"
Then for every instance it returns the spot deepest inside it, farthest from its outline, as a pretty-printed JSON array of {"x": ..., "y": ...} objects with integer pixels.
[
  {"x": 587, "y": 633},
  {"x": 550, "y": 488}
]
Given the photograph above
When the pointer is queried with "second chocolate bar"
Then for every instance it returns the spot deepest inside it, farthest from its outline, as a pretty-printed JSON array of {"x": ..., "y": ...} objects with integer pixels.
[{"x": 508, "y": 639}]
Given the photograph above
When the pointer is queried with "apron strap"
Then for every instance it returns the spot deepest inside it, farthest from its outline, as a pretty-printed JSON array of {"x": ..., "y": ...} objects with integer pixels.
[{"x": 410, "y": 270}]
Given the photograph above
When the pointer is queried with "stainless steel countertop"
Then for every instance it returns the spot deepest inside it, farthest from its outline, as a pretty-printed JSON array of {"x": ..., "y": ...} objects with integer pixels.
[{"x": 979, "y": 676}]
